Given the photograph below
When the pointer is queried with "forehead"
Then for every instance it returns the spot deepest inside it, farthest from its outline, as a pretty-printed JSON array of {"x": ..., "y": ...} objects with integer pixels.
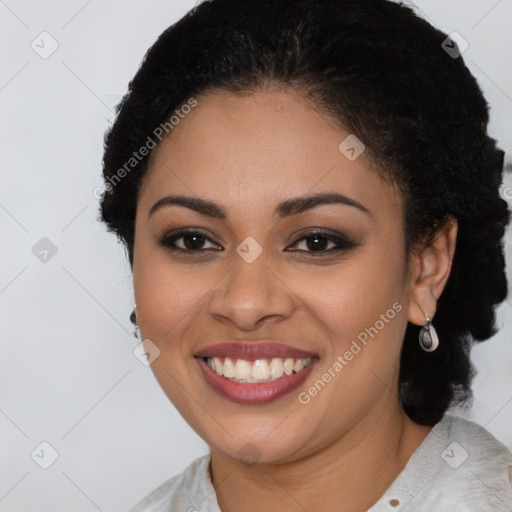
[{"x": 252, "y": 150}]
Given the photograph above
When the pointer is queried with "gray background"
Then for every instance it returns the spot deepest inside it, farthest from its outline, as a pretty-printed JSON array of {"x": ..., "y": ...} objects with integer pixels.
[{"x": 68, "y": 375}]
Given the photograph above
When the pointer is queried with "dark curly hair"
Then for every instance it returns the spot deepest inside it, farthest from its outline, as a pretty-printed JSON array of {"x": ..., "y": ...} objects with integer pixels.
[{"x": 382, "y": 73}]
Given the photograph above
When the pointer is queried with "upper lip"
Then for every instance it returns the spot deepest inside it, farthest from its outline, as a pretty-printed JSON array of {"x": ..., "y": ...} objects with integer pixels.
[{"x": 263, "y": 349}]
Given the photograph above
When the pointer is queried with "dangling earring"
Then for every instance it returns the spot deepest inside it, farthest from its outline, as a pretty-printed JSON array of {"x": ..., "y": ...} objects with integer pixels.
[
  {"x": 133, "y": 318},
  {"x": 429, "y": 340}
]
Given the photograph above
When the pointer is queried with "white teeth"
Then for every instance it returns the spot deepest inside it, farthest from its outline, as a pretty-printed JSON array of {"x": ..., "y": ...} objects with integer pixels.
[
  {"x": 217, "y": 366},
  {"x": 276, "y": 368},
  {"x": 229, "y": 368},
  {"x": 256, "y": 371},
  {"x": 298, "y": 365},
  {"x": 243, "y": 369},
  {"x": 288, "y": 366},
  {"x": 260, "y": 369}
]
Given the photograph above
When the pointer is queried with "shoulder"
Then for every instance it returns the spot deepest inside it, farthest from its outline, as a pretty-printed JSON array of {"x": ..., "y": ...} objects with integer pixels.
[
  {"x": 470, "y": 445},
  {"x": 188, "y": 491},
  {"x": 475, "y": 466},
  {"x": 460, "y": 466},
  {"x": 470, "y": 468}
]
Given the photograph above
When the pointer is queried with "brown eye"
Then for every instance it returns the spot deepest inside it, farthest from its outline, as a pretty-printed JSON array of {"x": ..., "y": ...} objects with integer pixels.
[
  {"x": 323, "y": 242},
  {"x": 188, "y": 241}
]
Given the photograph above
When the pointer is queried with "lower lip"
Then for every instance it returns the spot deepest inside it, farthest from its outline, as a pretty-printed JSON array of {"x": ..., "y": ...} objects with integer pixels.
[{"x": 254, "y": 393}]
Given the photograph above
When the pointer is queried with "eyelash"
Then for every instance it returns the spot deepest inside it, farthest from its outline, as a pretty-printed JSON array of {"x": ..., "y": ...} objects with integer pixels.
[{"x": 343, "y": 243}]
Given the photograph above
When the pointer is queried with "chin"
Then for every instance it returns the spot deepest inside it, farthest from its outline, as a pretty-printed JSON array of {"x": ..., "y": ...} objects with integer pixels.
[{"x": 263, "y": 442}]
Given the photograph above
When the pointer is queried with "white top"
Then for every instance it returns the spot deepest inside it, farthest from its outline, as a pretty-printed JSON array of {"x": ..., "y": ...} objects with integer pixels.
[{"x": 459, "y": 467}]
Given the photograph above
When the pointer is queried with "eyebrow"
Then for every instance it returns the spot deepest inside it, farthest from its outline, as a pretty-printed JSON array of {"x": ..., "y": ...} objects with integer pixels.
[{"x": 289, "y": 207}]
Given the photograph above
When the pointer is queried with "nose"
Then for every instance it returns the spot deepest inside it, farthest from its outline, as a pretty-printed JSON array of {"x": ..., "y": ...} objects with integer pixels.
[{"x": 250, "y": 295}]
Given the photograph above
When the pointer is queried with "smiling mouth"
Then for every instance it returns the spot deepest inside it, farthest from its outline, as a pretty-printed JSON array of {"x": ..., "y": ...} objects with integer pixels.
[{"x": 257, "y": 371}]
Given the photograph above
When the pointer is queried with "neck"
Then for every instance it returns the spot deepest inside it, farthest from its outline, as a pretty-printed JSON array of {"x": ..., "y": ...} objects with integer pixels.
[{"x": 351, "y": 472}]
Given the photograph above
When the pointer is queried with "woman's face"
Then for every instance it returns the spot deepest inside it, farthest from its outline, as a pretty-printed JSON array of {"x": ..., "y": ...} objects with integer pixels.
[{"x": 252, "y": 270}]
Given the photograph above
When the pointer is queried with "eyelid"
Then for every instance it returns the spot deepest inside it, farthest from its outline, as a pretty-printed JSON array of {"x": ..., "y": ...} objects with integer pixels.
[
  {"x": 342, "y": 242},
  {"x": 172, "y": 236}
]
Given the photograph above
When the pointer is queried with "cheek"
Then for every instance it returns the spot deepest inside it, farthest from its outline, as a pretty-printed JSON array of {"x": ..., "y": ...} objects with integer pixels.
[
  {"x": 351, "y": 296},
  {"x": 165, "y": 295},
  {"x": 165, "y": 303}
]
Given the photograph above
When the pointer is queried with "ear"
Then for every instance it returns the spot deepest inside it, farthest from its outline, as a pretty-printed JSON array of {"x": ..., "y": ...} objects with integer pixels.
[{"x": 430, "y": 268}]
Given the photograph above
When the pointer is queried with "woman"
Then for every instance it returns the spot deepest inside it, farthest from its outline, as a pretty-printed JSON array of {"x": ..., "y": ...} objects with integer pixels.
[{"x": 309, "y": 201}]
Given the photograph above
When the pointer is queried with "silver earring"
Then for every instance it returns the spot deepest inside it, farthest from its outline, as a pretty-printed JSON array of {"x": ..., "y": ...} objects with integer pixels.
[
  {"x": 133, "y": 318},
  {"x": 429, "y": 340}
]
